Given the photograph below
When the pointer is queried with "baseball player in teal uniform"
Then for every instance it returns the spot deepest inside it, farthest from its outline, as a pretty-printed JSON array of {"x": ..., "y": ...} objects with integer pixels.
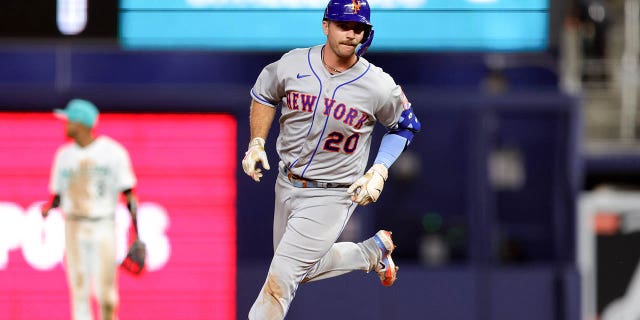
[
  {"x": 87, "y": 177},
  {"x": 330, "y": 98}
]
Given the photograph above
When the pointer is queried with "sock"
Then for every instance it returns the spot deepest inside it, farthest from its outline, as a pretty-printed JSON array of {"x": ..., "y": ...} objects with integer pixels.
[{"x": 373, "y": 252}]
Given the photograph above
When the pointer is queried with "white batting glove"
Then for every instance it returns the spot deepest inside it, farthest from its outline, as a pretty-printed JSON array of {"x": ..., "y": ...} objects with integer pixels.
[
  {"x": 255, "y": 153},
  {"x": 367, "y": 189}
]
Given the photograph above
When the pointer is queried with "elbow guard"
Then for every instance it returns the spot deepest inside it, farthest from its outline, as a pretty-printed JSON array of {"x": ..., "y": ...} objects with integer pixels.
[{"x": 407, "y": 126}]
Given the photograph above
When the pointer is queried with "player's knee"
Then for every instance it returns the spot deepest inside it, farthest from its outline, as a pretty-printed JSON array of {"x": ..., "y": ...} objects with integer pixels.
[
  {"x": 109, "y": 298},
  {"x": 79, "y": 282},
  {"x": 283, "y": 280},
  {"x": 80, "y": 289},
  {"x": 273, "y": 287},
  {"x": 108, "y": 311}
]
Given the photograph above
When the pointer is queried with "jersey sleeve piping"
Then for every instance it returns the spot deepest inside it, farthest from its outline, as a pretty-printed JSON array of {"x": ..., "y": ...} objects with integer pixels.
[{"x": 261, "y": 100}]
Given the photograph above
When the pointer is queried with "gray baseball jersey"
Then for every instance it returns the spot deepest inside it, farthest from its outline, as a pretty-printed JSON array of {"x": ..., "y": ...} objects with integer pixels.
[{"x": 327, "y": 120}]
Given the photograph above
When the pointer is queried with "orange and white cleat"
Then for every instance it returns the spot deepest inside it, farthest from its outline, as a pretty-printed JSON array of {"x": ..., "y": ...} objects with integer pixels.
[{"x": 386, "y": 268}]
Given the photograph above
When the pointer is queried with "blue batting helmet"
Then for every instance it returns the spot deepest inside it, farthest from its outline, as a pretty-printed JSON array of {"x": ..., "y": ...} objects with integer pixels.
[
  {"x": 348, "y": 10},
  {"x": 354, "y": 11}
]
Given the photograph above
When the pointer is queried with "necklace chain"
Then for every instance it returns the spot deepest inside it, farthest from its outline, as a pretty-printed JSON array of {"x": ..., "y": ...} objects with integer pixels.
[{"x": 332, "y": 68}]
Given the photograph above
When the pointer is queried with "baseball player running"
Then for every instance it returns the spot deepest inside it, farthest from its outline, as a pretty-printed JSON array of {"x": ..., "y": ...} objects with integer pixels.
[
  {"x": 87, "y": 178},
  {"x": 330, "y": 99}
]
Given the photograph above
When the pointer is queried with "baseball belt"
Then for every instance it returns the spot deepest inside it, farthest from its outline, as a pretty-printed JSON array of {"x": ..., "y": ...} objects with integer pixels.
[
  {"x": 300, "y": 182},
  {"x": 74, "y": 217}
]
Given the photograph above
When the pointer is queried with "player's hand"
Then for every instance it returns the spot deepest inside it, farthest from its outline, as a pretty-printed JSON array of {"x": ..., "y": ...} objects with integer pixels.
[
  {"x": 255, "y": 154},
  {"x": 367, "y": 189}
]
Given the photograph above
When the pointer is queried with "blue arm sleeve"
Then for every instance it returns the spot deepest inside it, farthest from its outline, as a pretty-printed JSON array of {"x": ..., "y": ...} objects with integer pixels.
[
  {"x": 396, "y": 140},
  {"x": 391, "y": 147}
]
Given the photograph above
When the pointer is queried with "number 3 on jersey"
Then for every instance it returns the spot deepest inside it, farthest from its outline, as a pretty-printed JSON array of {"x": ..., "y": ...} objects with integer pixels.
[{"x": 334, "y": 143}]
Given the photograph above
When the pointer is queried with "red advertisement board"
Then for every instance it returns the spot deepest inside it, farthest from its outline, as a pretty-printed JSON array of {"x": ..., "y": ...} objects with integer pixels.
[{"x": 185, "y": 165}]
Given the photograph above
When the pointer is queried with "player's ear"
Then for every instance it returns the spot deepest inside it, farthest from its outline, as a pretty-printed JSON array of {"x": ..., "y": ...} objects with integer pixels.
[{"x": 325, "y": 27}]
